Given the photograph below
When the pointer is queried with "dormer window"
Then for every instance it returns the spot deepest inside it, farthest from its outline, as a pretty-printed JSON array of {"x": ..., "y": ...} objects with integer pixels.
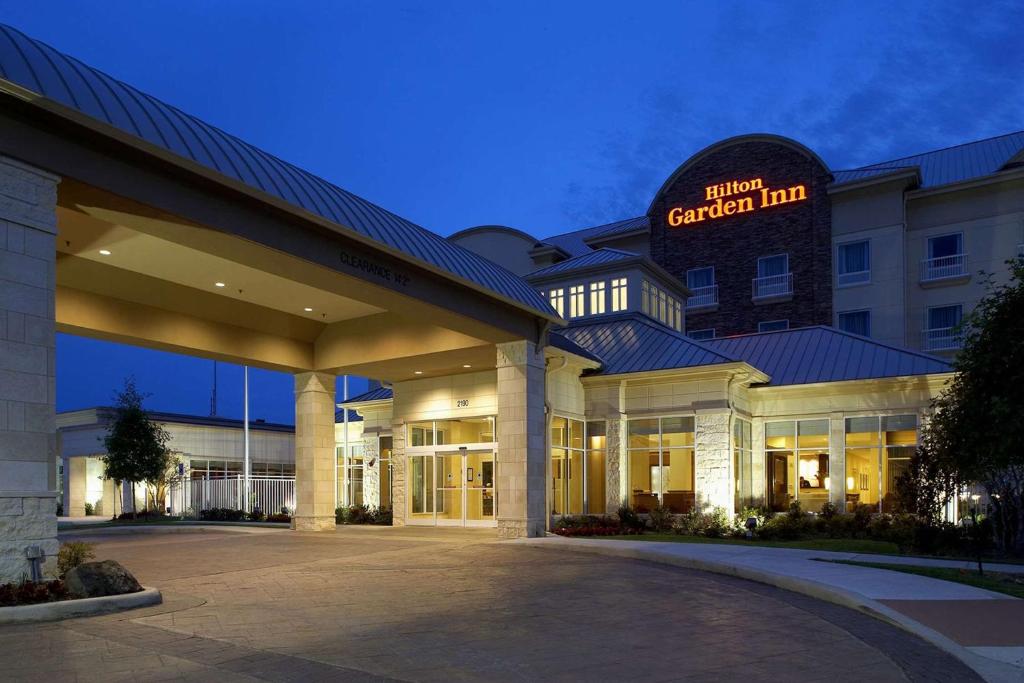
[
  {"x": 619, "y": 295},
  {"x": 596, "y": 298},
  {"x": 557, "y": 299},
  {"x": 576, "y": 302}
]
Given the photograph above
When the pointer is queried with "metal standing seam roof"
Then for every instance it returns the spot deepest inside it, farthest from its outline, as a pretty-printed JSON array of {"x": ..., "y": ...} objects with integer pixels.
[
  {"x": 574, "y": 243},
  {"x": 809, "y": 355},
  {"x": 378, "y": 394},
  {"x": 622, "y": 227},
  {"x": 35, "y": 66},
  {"x": 595, "y": 257},
  {"x": 950, "y": 165},
  {"x": 633, "y": 343}
]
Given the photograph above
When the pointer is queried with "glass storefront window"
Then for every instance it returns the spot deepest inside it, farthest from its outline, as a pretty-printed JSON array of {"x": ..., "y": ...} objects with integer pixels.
[
  {"x": 660, "y": 463},
  {"x": 796, "y": 464},
  {"x": 577, "y": 467},
  {"x": 743, "y": 466},
  {"x": 455, "y": 431},
  {"x": 878, "y": 451},
  {"x": 596, "y": 458}
]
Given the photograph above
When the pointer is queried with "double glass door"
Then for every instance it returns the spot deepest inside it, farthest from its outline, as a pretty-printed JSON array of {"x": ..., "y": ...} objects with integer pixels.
[{"x": 452, "y": 488}]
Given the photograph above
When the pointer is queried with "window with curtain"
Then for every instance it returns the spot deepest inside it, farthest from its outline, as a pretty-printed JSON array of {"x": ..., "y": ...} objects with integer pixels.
[
  {"x": 946, "y": 245},
  {"x": 700, "y": 277},
  {"x": 856, "y": 322},
  {"x": 853, "y": 263},
  {"x": 944, "y": 317},
  {"x": 768, "y": 266}
]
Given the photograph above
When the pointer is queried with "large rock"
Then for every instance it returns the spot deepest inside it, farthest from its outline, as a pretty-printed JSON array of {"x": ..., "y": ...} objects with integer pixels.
[{"x": 96, "y": 579}]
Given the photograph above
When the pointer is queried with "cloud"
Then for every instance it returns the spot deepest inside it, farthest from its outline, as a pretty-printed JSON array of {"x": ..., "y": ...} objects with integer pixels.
[{"x": 932, "y": 77}]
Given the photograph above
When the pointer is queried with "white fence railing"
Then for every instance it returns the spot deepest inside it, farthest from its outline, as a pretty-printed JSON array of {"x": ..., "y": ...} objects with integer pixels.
[
  {"x": 772, "y": 285},
  {"x": 703, "y": 296},
  {"x": 943, "y": 267},
  {"x": 268, "y": 494},
  {"x": 943, "y": 339},
  {"x": 853, "y": 278}
]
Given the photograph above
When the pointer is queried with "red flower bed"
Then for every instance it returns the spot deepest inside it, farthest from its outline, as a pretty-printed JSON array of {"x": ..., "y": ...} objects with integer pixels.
[
  {"x": 595, "y": 531},
  {"x": 31, "y": 593}
]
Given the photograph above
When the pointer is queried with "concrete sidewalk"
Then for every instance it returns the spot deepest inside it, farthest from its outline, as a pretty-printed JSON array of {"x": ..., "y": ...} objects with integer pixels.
[{"x": 983, "y": 629}]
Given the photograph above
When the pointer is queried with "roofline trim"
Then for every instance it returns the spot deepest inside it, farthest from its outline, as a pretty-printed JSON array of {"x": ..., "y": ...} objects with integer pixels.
[
  {"x": 211, "y": 175},
  {"x": 616, "y": 236},
  {"x": 908, "y": 172},
  {"x": 928, "y": 376},
  {"x": 707, "y": 368},
  {"x": 729, "y": 142},
  {"x": 492, "y": 228},
  {"x": 979, "y": 181}
]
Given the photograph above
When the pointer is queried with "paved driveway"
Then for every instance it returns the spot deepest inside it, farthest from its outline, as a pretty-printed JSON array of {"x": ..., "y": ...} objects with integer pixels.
[{"x": 366, "y": 603}]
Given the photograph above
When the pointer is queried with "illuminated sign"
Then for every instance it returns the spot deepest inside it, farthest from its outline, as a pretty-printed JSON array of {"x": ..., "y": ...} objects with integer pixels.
[{"x": 751, "y": 195}]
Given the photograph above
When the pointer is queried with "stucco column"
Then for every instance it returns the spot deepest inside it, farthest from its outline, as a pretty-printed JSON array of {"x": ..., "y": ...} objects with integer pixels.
[
  {"x": 398, "y": 463},
  {"x": 522, "y": 462},
  {"x": 314, "y": 452},
  {"x": 28, "y": 442},
  {"x": 837, "y": 461},
  {"x": 713, "y": 461},
  {"x": 757, "y": 460},
  {"x": 107, "y": 506},
  {"x": 74, "y": 487}
]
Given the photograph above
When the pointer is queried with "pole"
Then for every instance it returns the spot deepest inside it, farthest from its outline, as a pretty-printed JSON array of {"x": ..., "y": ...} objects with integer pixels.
[
  {"x": 247, "y": 467},
  {"x": 344, "y": 413}
]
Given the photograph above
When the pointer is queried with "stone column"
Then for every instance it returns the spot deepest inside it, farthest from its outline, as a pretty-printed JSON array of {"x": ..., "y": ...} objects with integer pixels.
[
  {"x": 398, "y": 465},
  {"x": 371, "y": 473},
  {"x": 522, "y": 462},
  {"x": 837, "y": 461},
  {"x": 107, "y": 506},
  {"x": 614, "y": 463},
  {"x": 74, "y": 487},
  {"x": 713, "y": 461},
  {"x": 314, "y": 452},
  {"x": 28, "y": 442}
]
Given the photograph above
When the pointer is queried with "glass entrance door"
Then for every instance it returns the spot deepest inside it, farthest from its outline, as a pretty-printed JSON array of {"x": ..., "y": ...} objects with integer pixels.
[{"x": 452, "y": 489}]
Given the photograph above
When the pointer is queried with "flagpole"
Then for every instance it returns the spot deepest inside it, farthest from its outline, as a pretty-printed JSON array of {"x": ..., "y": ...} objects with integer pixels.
[{"x": 248, "y": 465}]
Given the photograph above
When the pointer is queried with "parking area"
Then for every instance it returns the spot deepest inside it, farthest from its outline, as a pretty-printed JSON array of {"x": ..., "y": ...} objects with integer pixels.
[{"x": 431, "y": 605}]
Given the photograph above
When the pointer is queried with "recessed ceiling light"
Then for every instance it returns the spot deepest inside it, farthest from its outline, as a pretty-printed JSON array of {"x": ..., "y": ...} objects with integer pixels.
[
  {"x": 219, "y": 284},
  {"x": 104, "y": 252},
  {"x": 417, "y": 372},
  {"x": 308, "y": 309},
  {"x": 467, "y": 365}
]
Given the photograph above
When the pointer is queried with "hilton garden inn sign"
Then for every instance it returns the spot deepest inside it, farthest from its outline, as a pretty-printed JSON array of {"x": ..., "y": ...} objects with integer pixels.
[{"x": 750, "y": 195}]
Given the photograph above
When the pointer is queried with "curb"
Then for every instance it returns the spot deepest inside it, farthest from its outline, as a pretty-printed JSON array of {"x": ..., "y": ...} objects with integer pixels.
[
  {"x": 989, "y": 669},
  {"x": 85, "y": 607},
  {"x": 184, "y": 528}
]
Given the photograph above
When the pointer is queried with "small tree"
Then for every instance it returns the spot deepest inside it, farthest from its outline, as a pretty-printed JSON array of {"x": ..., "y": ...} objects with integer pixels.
[
  {"x": 136, "y": 446},
  {"x": 975, "y": 432}
]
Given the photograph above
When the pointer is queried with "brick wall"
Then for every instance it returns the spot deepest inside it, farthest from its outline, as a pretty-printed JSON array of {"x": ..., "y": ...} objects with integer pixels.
[{"x": 732, "y": 244}]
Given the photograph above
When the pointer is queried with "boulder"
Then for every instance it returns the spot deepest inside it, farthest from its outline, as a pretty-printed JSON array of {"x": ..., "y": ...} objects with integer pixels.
[{"x": 96, "y": 579}]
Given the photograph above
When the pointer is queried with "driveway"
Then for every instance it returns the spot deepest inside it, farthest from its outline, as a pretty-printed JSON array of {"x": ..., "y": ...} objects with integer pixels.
[{"x": 431, "y": 605}]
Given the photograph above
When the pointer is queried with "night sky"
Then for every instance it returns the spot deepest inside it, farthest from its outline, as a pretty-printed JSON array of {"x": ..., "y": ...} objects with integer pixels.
[{"x": 545, "y": 116}]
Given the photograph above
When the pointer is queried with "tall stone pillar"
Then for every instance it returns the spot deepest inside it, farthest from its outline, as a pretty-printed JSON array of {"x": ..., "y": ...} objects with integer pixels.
[
  {"x": 615, "y": 465},
  {"x": 522, "y": 461},
  {"x": 398, "y": 473},
  {"x": 837, "y": 461},
  {"x": 28, "y": 442},
  {"x": 713, "y": 461},
  {"x": 314, "y": 452},
  {"x": 74, "y": 487}
]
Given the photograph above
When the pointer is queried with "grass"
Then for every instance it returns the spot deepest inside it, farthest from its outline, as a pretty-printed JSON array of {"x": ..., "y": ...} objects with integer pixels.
[
  {"x": 1010, "y": 584},
  {"x": 839, "y": 545}
]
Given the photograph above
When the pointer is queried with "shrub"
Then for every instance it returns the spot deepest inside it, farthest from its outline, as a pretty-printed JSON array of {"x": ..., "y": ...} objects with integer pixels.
[
  {"x": 383, "y": 516},
  {"x": 72, "y": 554},
  {"x": 660, "y": 518},
  {"x": 829, "y": 510},
  {"x": 761, "y": 515},
  {"x": 256, "y": 516},
  {"x": 142, "y": 516},
  {"x": 31, "y": 593},
  {"x": 796, "y": 511},
  {"x": 222, "y": 515},
  {"x": 280, "y": 518},
  {"x": 629, "y": 519},
  {"x": 89, "y": 509},
  {"x": 861, "y": 519},
  {"x": 713, "y": 524}
]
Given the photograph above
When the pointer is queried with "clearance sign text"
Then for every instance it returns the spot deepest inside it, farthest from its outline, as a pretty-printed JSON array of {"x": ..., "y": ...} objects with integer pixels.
[{"x": 755, "y": 196}]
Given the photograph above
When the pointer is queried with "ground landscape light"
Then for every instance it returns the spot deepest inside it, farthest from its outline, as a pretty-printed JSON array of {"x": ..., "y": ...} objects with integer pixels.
[
  {"x": 467, "y": 365},
  {"x": 308, "y": 309},
  {"x": 104, "y": 252},
  {"x": 417, "y": 372},
  {"x": 219, "y": 284}
]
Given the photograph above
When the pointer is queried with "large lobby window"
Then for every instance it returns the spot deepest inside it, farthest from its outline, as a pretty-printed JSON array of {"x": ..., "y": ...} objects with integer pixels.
[
  {"x": 878, "y": 451},
  {"x": 567, "y": 476},
  {"x": 595, "y": 462},
  {"x": 350, "y": 475},
  {"x": 576, "y": 301},
  {"x": 557, "y": 299},
  {"x": 596, "y": 298},
  {"x": 661, "y": 463},
  {"x": 619, "y": 294},
  {"x": 743, "y": 465},
  {"x": 445, "y": 432},
  {"x": 853, "y": 263},
  {"x": 796, "y": 462},
  {"x": 856, "y": 322}
]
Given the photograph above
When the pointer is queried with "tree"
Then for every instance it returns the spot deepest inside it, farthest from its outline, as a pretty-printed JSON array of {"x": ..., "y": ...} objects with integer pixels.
[
  {"x": 975, "y": 433},
  {"x": 136, "y": 446}
]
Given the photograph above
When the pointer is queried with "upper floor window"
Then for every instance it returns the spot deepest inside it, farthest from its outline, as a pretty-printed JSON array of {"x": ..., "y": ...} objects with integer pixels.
[
  {"x": 853, "y": 263},
  {"x": 619, "y": 294},
  {"x": 596, "y": 298},
  {"x": 576, "y": 301},
  {"x": 701, "y": 283},
  {"x": 773, "y": 277},
  {"x": 699, "y": 335},
  {"x": 857, "y": 322},
  {"x": 557, "y": 299},
  {"x": 946, "y": 257},
  {"x": 769, "y": 266},
  {"x": 700, "y": 277},
  {"x": 942, "y": 332},
  {"x": 772, "y": 325}
]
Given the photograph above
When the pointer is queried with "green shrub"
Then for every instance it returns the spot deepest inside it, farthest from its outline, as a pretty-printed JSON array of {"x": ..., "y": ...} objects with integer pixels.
[
  {"x": 279, "y": 518},
  {"x": 829, "y": 510},
  {"x": 89, "y": 509},
  {"x": 629, "y": 519},
  {"x": 660, "y": 518},
  {"x": 759, "y": 514},
  {"x": 714, "y": 524},
  {"x": 796, "y": 511},
  {"x": 72, "y": 554}
]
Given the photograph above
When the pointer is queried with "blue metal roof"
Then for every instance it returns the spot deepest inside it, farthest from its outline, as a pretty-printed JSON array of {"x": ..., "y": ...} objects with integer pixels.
[
  {"x": 634, "y": 343},
  {"x": 560, "y": 341},
  {"x": 38, "y": 67},
  {"x": 574, "y": 243},
  {"x": 596, "y": 257},
  {"x": 808, "y": 355},
  {"x": 378, "y": 394},
  {"x": 950, "y": 165},
  {"x": 622, "y": 227}
]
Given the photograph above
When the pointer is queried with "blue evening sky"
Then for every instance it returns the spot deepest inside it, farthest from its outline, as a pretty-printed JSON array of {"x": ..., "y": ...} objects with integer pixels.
[{"x": 546, "y": 116}]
